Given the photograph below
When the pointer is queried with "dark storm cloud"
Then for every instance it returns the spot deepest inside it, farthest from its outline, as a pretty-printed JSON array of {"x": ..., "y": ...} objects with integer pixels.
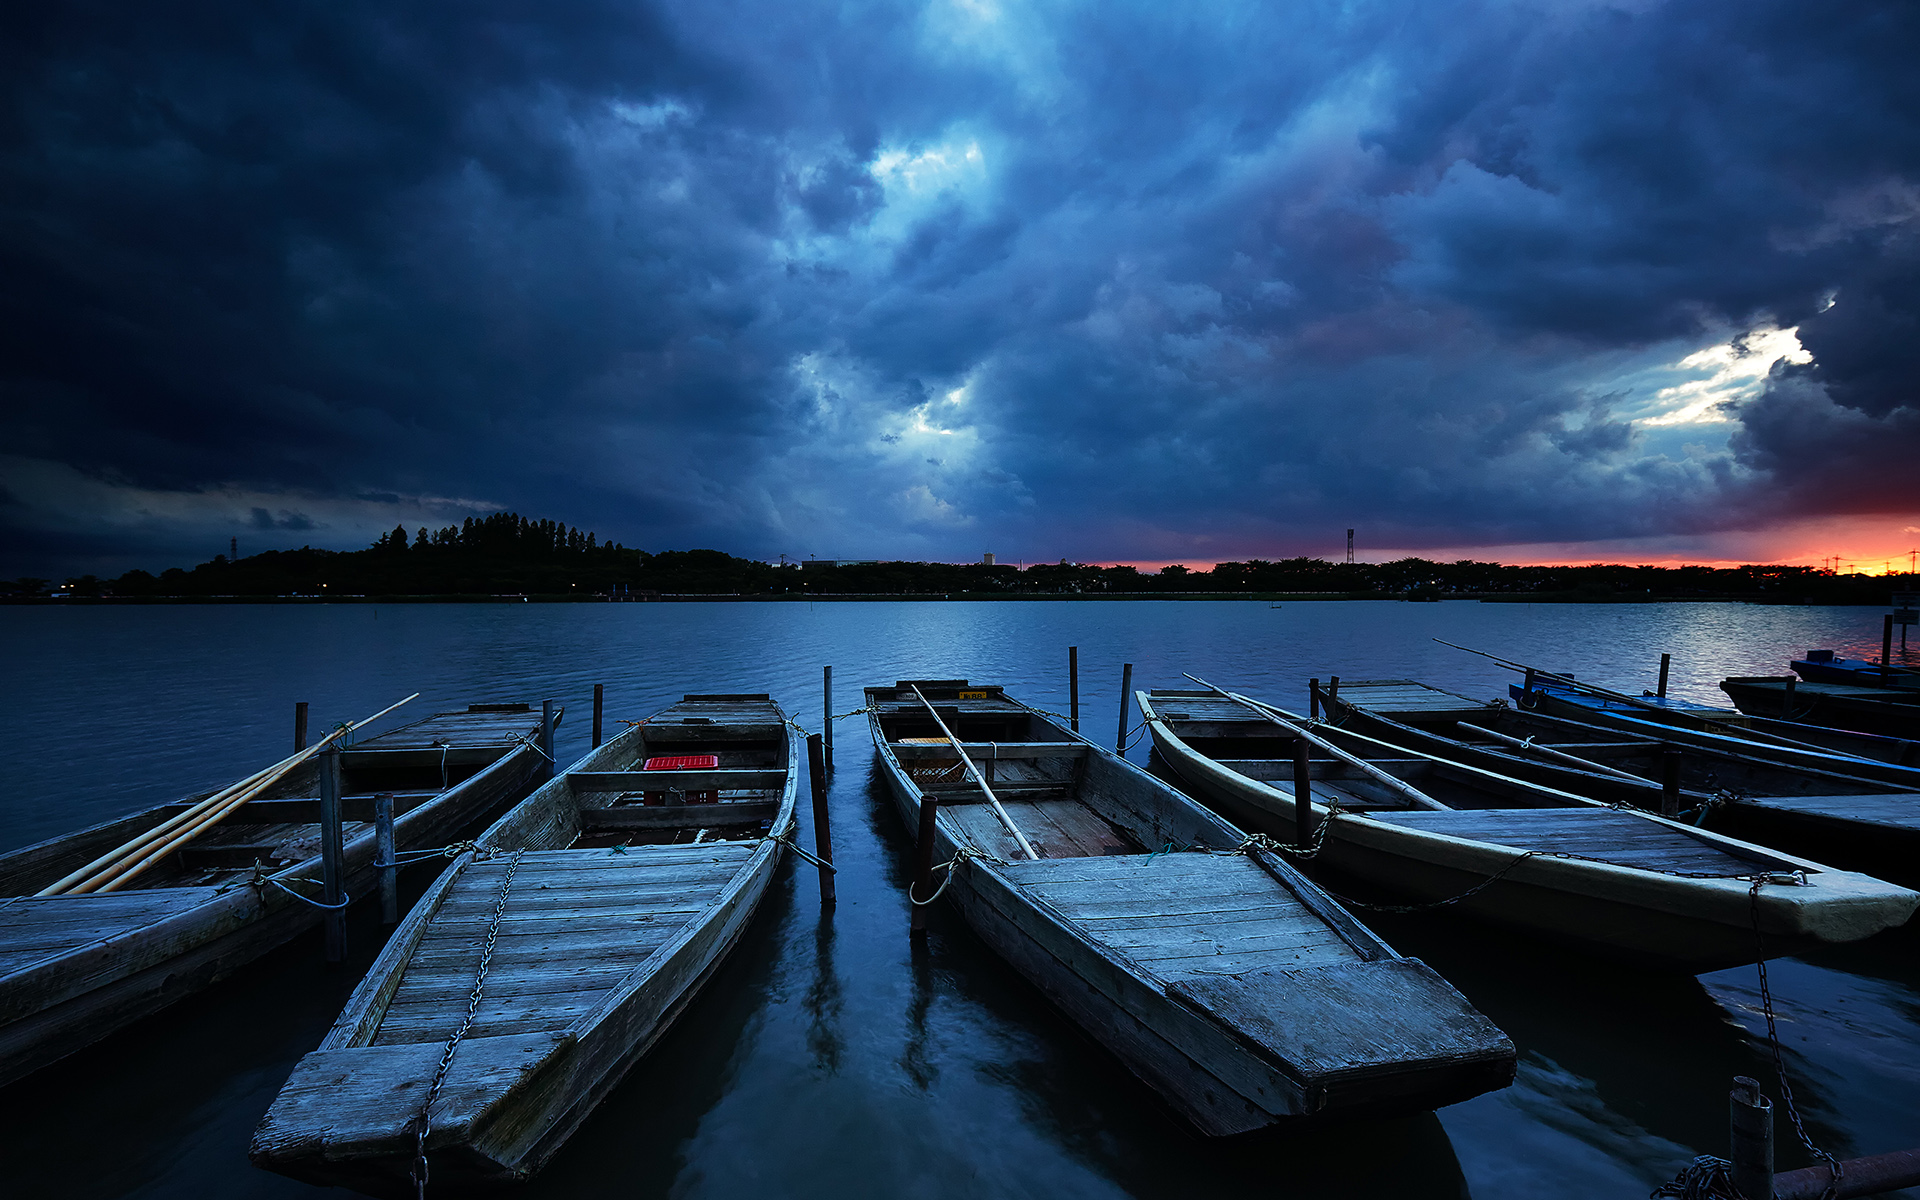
[{"x": 1094, "y": 281}]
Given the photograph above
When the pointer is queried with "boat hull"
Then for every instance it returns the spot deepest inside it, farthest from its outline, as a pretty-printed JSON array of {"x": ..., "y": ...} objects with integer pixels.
[{"x": 1649, "y": 920}]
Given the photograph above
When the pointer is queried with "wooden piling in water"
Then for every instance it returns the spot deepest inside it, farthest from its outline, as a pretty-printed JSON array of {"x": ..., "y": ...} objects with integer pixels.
[
  {"x": 1073, "y": 686},
  {"x": 922, "y": 887},
  {"x": 1126, "y": 696},
  {"x": 1333, "y": 693},
  {"x": 383, "y": 854},
  {"x": 1313, "y": 699},
  {"x": 599, "y": 707},
  {"x": 1786, "y": 697},
  {"x": 332, "y": 855},
  {"x": 1660, "y": 690},
  {"x": 1750, "y": 1127},
  {"x": 1303, "y": 791},
  {"x": 299, "y": 725},
  {"x": 546, "y": 734},
  {"x": 826, "y": 714},
  {"x": 1886, "y": 650},
  {"x": 822, "y": 833}
]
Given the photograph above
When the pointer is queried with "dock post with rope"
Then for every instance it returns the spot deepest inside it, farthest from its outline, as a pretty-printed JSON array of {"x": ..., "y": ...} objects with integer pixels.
[{"x": 332, "y": 856}]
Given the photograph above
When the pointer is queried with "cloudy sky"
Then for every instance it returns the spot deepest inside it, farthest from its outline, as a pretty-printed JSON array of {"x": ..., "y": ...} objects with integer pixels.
[{"x": 1102, "y": 281}]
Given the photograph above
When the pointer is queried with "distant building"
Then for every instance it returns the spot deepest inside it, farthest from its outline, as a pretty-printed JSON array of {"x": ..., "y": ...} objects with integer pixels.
[{"x": 986, "y": 560}]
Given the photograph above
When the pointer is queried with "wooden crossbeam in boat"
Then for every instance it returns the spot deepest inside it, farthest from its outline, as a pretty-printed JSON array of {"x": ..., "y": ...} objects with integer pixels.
[
  {"x": 978, "y": 778},
  {"x": 679, "y": 816},
  {"x": 987, "y": 751},
  {"x": 725, "y": 779}
]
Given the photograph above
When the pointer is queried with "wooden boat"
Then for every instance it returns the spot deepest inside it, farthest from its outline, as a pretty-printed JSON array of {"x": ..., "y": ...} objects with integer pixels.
[
  {"x": 74, "y": 968},
  {"x": 1889, "y": 712},
  {"x": 1824, "y": 666},
  {"x": 1857, "y": 823},
  {"x": 531, "y": 976},
  {"x": 1890, "y": 760},
  {"x": 1616, "y": 882},
  {"x": 1222, "y": 977}
]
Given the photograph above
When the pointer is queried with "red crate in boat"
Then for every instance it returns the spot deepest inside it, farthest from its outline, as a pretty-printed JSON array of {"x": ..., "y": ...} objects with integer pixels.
[{"x": 683, "y": 762}]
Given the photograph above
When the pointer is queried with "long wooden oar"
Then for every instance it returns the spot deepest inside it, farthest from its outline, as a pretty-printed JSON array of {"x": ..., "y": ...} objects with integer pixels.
[
  {"x": 979, "y": 778},
  {"x": 1394, "y": 782},
  {"x": 113, "y": 867},
  {"x": 1740, "y": 731},
  {"x": 1527, "y": 745}
]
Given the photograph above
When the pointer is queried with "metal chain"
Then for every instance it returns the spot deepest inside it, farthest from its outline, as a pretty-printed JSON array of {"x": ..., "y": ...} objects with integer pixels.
[
  {"x": 1705, "y": 1178},
  {"x": 473, "y": 1007},
  {"x": 1834, "y": 1167}
]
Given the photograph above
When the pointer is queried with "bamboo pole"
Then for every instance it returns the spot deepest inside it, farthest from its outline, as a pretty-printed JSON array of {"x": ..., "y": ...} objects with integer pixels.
[
  {"x": 1394, "y": 782},
  {"x": 1550, "y": 752},
  {"x": 112, "y": 868},
  {"x": 979, "y": 778}
]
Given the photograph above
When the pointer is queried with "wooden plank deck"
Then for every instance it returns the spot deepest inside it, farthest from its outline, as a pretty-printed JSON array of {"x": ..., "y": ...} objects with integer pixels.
[
  {"x": 1899, "y": 809},
  {"x": 1602, "y": 834},
  {"x": 1056, "y": 828},
  {"x": 1184, "y": 916},
  {"x": 34, "y": 930},
  {"x": 1407, "y": 697},
  {"x": 575, "y": 923}
]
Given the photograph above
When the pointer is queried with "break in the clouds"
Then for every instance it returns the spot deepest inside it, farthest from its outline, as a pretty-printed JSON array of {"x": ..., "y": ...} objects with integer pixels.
[{"x": 1100, "y": 281}]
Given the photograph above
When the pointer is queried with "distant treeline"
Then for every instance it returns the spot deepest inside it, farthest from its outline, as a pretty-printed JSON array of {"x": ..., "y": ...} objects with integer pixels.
[{"x": 507, "y": 554}]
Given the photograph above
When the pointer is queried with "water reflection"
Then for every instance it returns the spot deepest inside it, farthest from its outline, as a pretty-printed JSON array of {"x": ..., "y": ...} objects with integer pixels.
[{"x": 824, "y": 1039}]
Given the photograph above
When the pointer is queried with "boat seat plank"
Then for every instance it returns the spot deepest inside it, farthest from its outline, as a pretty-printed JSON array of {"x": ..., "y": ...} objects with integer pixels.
[
  {"x": 1901, "y": 809},
  {"x": 1605, "y": 835},
  {"x": 575, "y": 922},
  {"x": 1184, "y": 939},
  {"x": 33, "y": 930},
  {"x": 1056, "y": 828}
]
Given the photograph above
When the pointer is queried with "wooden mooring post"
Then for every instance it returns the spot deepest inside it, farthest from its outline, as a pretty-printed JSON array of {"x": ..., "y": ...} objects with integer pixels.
[
  {"x": 299, "y": 725},
  {"x": 599, "y": 708},
  {"x": 822, "y": 833},
  {"x": 1886, "y": 650},
  {"x": 1073, "y": 686},
  {"x": 1302, "y": 792},
  {"x": 921, "y": 887},
  {"x": 1786, "y": 697},
  {"x": 332, "y": 856},
  {"x": 546, "y": 735},
  {"x": 383, "y": 855},
  {"x": 1750, "y": 1128},
  {"x": 1126, "y": 697},
  {"x": 1313, "y": 699},
  {"x": 1660, "y": 689},
  {"x": 826, "y": 713}
]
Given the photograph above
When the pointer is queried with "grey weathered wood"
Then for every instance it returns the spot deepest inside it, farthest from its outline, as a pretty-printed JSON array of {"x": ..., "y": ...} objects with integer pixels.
[
  {"x": 680, "y": 816},
  {"x": 985, "y": 751},
  {"x": 1115, "y": 913},
  {"x": 384, "y": 854},
  {"x": 333, "y": 867},
  {"x": 731, "y": 779},
  {"x": 596, "y": 949},
  {"x": 173, "y": 940}
]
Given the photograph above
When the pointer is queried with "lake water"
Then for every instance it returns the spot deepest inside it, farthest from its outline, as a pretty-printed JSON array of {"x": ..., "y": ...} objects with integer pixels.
[{"x": 831, "y": 1059}]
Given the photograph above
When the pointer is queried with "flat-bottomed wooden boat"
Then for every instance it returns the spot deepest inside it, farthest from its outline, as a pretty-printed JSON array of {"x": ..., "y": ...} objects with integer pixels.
[
  {"x": 1617, "y": 882},
  {"x": 533, "y": 975},
  {"x": 1222, "y": 977},
  {"x": 1823, "y": 812},
  {"x": 74, "y": 968}
]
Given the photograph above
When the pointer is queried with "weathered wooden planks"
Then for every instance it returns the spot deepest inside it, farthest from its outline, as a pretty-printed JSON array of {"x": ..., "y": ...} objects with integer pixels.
[{"x": 1604, "y": 835}]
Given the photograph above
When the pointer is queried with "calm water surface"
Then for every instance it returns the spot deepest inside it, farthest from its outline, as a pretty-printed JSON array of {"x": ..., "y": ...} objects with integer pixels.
[{"x": 828, "y": 1058}]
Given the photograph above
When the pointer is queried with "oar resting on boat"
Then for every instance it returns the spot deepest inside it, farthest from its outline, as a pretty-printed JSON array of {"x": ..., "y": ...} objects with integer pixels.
[
  {"x": 1825, "y": 812},
  {"x": 533, "y": 974},
  {"x": 1559, "y": 865},
  {"x": 1218, "y": 974},
  {"x": 240, "y": 875}
]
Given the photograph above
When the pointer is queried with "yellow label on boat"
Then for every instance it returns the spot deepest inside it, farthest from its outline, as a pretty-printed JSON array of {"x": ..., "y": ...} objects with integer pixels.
[{"x": 976, "y": 695}]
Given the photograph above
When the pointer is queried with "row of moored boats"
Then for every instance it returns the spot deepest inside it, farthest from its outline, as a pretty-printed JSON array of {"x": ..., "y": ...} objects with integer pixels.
[{"x": 1171, "y": 917}]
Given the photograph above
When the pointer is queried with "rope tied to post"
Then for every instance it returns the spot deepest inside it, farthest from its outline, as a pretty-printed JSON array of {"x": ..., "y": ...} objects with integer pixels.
[
  {"x": 424, "y": 1120},
  {"x": 786, "y": 839},
  {"x": 260, "y": 878},
  {"x": 1317, "y": 842},
  {"x": 527, "y": 740},
  {"x": 960, "y": 855}
]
